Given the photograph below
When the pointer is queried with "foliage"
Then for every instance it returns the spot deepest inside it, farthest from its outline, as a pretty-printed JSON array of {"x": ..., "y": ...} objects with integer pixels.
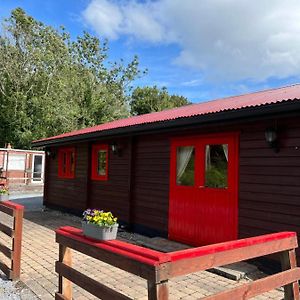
[
  {"x": 4, "y": 190},
  {"x": 216, "y": 168},
  {"x": 216, "y": 177},
  {"x": 99, "y": 217},
  {"x": 51, "y": 84},
  {"x": 151, "y": 99}
]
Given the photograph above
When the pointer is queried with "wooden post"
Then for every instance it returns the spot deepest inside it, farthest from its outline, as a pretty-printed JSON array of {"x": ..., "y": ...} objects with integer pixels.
[
  {"x": 6, "y": 171},
  {"x": 65, "y": 285},
  {"x": 288, "y": 261},
  {"x": 158, "y": 291},
  {"x": 17, "y": 244}
]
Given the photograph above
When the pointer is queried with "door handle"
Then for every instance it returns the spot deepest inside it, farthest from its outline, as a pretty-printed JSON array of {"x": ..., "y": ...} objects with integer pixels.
[{"x": 201, "y": 187}]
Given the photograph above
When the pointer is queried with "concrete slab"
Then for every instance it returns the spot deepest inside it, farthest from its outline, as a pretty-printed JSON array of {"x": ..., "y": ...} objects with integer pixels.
[
  {"x": 31, "y": 202},
  {"x": 236, "y": 271}
]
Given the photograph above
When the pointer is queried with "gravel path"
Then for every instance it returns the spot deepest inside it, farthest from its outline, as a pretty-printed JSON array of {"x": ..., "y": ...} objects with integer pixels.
[{"x": 14, "y": 291}]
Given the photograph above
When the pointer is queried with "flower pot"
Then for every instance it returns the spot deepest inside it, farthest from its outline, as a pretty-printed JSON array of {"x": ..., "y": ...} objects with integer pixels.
[
  {"x": 4, "y": 197},
  {"x": 97, "y": 232}
]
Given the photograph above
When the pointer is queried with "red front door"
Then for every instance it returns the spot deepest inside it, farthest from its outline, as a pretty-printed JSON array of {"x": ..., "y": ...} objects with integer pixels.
[{"x": 203, "y": 189}]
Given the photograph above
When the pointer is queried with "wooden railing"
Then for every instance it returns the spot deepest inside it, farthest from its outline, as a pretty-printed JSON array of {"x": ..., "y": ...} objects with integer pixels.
[
  {"x": 12, "y": 271},
  {"x": 157, "y": 267}
]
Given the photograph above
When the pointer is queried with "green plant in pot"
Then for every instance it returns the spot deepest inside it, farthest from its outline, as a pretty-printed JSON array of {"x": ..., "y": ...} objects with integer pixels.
[
  {"x": 4, "y": 193},
  {"x": 99, "y": 225}
]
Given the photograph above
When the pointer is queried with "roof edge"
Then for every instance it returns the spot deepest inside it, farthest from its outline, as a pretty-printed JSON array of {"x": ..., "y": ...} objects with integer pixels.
[{"x": 244, "y": 113}]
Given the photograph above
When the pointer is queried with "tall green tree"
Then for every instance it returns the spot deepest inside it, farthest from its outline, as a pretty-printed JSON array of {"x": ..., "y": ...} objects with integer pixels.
[
  {"x": 151, "y": 99},
  {"x": 51, "y": 84}
]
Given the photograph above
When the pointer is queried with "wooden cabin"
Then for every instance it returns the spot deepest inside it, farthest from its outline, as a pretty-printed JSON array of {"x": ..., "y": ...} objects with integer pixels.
[{"x": 199, "y": 174}]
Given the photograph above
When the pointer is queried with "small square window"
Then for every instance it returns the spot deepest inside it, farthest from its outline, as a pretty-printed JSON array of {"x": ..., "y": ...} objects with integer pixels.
[
  {"x": 66, "y": 162},
  {"x": 99, "y": 162}
]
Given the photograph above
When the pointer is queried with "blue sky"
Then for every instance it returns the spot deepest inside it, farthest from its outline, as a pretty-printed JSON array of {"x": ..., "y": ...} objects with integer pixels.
[{"x": 202, "y": 49}]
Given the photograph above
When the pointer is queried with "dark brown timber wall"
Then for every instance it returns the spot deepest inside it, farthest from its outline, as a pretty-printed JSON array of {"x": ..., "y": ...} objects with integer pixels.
[
  {"x": 150, "y": 191},
  {"x": 81, "y": 192},
  {"x": 269, "y": 182},
  {"x": 269, "y": 198},
  {"x": 63, "y": 192},
  {"x": 113, "y": 194}
]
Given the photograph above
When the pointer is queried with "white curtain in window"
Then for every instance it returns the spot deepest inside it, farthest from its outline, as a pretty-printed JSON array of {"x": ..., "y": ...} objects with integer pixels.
[
  {"x": 183, "y": 157},
  {"x": 225, "y": 149}
]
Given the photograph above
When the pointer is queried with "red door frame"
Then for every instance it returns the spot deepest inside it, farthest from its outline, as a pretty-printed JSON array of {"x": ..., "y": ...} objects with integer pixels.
[{"x": 232, "y": 181}]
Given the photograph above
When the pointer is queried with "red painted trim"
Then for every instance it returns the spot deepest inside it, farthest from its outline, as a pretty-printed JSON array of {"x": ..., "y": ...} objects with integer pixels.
[
  {"x": 138, "y": 253},
  {"x": 242, "y": 243},
  {"x": 155, "y": 258},
  {"x": 68, "y": 173},
  {"x": 13, "y": 205},
  {"x": 94, "y": 173}
]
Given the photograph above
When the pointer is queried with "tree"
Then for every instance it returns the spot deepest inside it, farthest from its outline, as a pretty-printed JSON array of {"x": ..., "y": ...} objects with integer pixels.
[
  {"x": 51, "y": 84},
  {"x": 151, "y": 99}
]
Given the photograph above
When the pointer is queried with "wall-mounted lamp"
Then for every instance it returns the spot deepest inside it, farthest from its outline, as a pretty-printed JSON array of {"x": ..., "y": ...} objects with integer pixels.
[
  {"x": 272, "y": 138},
  {"x": 51, "y": 154},
  {"x": 115, "y": 148}
]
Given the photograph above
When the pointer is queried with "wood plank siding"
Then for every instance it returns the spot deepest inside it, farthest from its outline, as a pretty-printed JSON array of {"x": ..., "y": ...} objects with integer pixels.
[
  {"x": 150, "y": 192},
  {"x": 269, "y": 197},
  {"x": 113, "y": 194},
  {"x": 65, "y": 192},
  {"x": 138, "y": 187}
]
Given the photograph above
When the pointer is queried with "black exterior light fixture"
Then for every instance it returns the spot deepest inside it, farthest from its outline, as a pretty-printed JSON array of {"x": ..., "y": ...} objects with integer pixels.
[
  {"x": 271, "y": 136},
  {"x": 50, "y": 153},
  {"x": 115, "y": 148}
]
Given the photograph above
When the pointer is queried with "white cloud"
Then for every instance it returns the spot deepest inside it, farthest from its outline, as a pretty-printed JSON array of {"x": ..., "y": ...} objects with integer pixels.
[
  {"x": 193, "y": 82},
  {"x": 224, "y": 39},
  {"x": 113, "y": 19},
  {"x": 105, "y": 17}
]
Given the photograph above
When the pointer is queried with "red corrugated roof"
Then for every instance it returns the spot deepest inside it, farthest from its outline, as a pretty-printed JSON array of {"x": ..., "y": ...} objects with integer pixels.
[{"x": 231, "y": 103}]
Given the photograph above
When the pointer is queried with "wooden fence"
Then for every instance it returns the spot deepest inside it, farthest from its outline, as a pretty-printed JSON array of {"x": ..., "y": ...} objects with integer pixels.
[
  {"x": 15, "y": 233},
  {"x": 157, "y": 267}
]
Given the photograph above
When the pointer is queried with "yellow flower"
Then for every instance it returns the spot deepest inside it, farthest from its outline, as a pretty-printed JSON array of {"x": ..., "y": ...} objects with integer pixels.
[{"x": 99, "y": 217}]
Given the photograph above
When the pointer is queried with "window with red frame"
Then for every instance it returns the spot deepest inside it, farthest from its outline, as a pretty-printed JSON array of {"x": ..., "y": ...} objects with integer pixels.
[
  {"x": 99, "y": 162},
  {"x": 66, "y": 162}
]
